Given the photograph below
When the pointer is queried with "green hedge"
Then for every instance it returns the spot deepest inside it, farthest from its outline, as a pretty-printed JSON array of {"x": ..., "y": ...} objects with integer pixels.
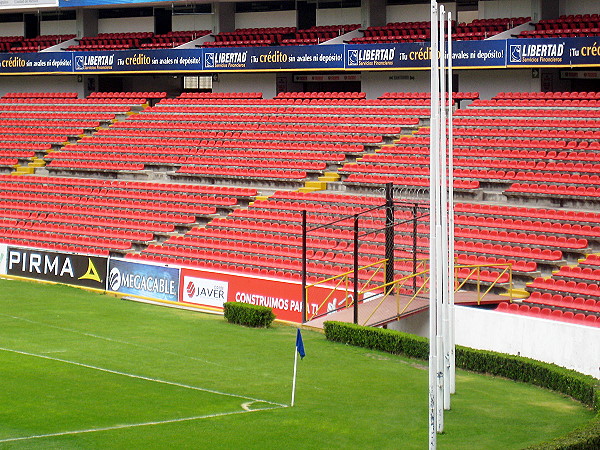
[
  {"x": 581, "y": 387},
  {"x": 248, "y": 315}
]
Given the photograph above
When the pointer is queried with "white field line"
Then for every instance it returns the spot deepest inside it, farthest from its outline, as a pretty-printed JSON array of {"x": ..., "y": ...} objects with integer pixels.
[
  {"x": 141, "y": 377},
  {"x": 104, "y": 338},
  {"x": 133, "y": 425}
]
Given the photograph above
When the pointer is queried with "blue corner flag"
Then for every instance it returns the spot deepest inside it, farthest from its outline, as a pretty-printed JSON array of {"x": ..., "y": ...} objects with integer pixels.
[{"x": 300, "y": 344}]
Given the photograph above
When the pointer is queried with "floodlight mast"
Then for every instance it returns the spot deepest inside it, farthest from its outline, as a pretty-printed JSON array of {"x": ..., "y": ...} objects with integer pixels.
[
  {"x": 433, "y": 212},
  {"x": 441, "y": 235}
]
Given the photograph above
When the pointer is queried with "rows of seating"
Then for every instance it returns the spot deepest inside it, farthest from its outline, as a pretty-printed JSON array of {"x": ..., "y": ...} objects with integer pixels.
[
  {"x": 259, "y": 153},
  {"x": 565, "y": 26},
  {"x": 245, "y": 140},
  {"x": 396, "y": 32},
  {"x": 18, "y": 44},
  {"x": 173, "y": 39},
  {"x": 101, "y": 216},
  {"x": 547, "y": 313},
  {"x": 251, "y": 37},
  {"x": 318, "y": 34}
]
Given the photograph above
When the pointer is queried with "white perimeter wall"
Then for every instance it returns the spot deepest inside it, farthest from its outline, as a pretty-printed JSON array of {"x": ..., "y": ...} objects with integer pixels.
[
  {"x": 192, "y": 22},
  {"x": 568, "y": 345},
  {"x": 338, "y": 16},
  {"x": 376, "y": 83},
  {"x": 493, "y": 9},
  {"x": 490, "y": 82},
  {"x": 266, "y": 19},
  {"x": 247, "y": 82},
  {"x": 12, "y": 29},
  {"x": 582, "y": 7},
  {"x": 58, "y": 27},
  {"x": 126, "y": 25},
  {"x": 573, "y": 346},
  {"x": 48, "y": 83}
]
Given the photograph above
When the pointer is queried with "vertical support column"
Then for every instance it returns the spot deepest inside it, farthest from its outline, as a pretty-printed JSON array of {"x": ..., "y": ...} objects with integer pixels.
[
  {"x": 415, "y": 211},
  {"x": 223, "y": 17},
  {"x": 389, "y": 236},
  {"x": 304, "y": 253},
  {"x": 86, "y": 22},
  {"x": 355, "y": 258},
  {"x": 373, "y": 13}
]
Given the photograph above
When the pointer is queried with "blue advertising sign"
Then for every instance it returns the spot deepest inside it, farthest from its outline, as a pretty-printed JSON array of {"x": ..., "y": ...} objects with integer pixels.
[
  {"x": 138, "y": 61},
  {"x": 271, "y": 58},
  {"x": 405, "y": 56},
  {"x": 584, "y": 51},
  {"x": 479, "y": 54},
  {"x": 143, "y": 280},
  {"x": 388, "y": 56},
  {"x": 51, "y": 62}
]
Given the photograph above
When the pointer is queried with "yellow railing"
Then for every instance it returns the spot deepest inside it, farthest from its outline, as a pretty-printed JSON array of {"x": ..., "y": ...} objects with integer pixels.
[{"x": 343, "y": 282}]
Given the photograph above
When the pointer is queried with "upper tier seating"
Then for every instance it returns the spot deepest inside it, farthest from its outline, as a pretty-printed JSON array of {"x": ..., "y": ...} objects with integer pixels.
[
  {"x": 37, "y": 44},
  {"x": 565, "y": 27},
  {"x": 318, "y": 34},
  {"x": 173, "y": 39},
  {"x": 395, "y": 32},
  {"x": 111, "y": 41},
  {"x": 251, "y": 37}
]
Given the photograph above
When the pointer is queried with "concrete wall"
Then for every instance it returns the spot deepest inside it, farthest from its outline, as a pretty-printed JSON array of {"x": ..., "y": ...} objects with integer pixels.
[
  {"x": 492, "y": 9},
  {"x": 58, "y": 27},
  {"x": 582, "y": 7},
  {"x": 126, "y": 25},
  {"x": 32, "y": 83},
  {"x": 573, "y": 346},
  {"x": 11, "y": 29},
  {"x": 376, "y": 83},
  {"x": 192, "y": 22},
  {"x": 266, "y": 19},
  {"x": 338, "y": 16},
  {"x": 490, "y": 82},
  {"x": 247, "y": 82}
]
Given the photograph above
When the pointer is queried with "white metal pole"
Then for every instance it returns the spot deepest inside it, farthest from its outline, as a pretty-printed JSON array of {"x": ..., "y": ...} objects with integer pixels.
[
  {"x": 451, "y": 331},
  {"x": 294, "y": 377},
  {"x": 440, "y": 230},
  {"x": 433, "y": 158}
]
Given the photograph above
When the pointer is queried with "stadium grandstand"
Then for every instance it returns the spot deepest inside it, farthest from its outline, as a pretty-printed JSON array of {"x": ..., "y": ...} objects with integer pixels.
[{"x": 287, "y": 143}]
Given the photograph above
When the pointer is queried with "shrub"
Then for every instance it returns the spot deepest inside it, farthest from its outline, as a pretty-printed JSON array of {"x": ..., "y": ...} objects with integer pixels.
[
  {"x": 248, "y": 315},
  {"x": 581, "y": 387}
]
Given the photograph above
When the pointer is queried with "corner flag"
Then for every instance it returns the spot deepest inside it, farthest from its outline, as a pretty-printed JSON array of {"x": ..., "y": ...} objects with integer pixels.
[
  {"x": 299, "y": 351},
  {"x": 300, "y": 344}
]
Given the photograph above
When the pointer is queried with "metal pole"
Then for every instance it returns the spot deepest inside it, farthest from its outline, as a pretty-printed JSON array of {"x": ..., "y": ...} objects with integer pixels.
[
  {"x": 433, "y": 158},
  {"x": 355, "y": 293},
  {"x": 414, "y": 247},
  {"x": 304, "y": 253},
  {"x": 389, "y": 236},
  {"x": 451, "y": 330},
  {"x": 444, "y": 213}
]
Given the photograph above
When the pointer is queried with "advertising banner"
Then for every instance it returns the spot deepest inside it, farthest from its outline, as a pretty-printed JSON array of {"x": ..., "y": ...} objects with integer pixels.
[
  {"x": 3, "y": 249},
  {"x": 77, "y": 270},
  {"x": 271, "y": 58},
  {"x": 143, "y": 280},
  {"x": 583, "y": 51},
  {"x": 51, "y": 62},
  {"x": 211, "y": 289},
  {"x": 479, "y": 54},
  {"x": 138, "y": 60}
]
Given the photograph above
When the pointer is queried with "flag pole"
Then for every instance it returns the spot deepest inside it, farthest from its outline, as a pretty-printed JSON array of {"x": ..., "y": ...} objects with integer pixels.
[{"x": 294, "y": 378}]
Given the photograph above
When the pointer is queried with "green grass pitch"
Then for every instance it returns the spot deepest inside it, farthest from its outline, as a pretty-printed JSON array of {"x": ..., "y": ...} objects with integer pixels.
[{"x": 83, "y": 370}]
